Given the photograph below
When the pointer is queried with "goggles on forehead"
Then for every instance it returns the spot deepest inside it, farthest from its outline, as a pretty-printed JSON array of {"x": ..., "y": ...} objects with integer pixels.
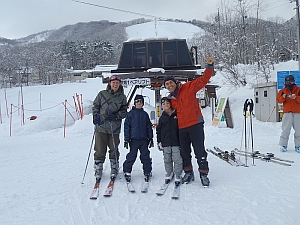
[
  {"x": 115, "y": 77},
  {"x": 138, "y": 100}
]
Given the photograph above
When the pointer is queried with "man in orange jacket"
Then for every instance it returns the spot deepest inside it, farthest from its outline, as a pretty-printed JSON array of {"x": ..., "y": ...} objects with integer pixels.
[
  {"x": 190, "y": 121},
  {"x": 290, "y": 97}
]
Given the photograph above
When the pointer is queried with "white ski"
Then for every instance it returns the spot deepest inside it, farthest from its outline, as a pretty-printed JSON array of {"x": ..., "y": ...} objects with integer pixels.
[
  {"x": 162, "y": 189},
  {"x": 130, "y": 187},
  {"x": 144, "y": 187},
  {"x": 175, "y": 194}
]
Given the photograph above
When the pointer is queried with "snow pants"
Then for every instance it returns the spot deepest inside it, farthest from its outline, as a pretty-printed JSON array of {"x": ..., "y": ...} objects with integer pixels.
[
  {"x": 193, "y": 135},
  {"x": 172, "y": 156},
  {"x": 102, "y": 141},
  {"x": 290, "y": 120},
  {"x": 136, "y": 145}
]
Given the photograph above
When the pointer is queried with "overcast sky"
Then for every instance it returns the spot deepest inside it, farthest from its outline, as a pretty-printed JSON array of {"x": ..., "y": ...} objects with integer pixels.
[{"x": 20, "y": 18}]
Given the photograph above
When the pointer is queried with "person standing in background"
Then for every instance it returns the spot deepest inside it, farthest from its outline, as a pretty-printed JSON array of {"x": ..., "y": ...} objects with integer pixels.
[{"x": 290, "y": 97}]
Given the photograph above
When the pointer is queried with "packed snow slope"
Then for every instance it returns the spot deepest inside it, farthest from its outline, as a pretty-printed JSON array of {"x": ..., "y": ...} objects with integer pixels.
[{"x": 41, "y": 170}]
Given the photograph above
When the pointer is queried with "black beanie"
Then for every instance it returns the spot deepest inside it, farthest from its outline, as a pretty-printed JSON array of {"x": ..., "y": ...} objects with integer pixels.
[
  {"x": 289, "y": 78},
  {"x": 139, "y": 97},
  {"x": 169, "y": 78}
]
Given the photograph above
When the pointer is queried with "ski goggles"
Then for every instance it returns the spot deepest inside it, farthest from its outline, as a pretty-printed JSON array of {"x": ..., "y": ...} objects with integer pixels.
[
  {"x": 115, "y": 77},
  {"x": 163, "y": 100},
  {"x": 138, "y": 100},
  {"x": 289, "y": 82}
]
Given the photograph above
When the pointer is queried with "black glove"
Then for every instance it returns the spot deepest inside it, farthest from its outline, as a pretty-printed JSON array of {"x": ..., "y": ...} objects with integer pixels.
[
  {"x": 126, "y": 143},
  {"x": 150, "y": 143},
  {"x": 96, "y": 119},
  {"x": 111, "y": 117}
]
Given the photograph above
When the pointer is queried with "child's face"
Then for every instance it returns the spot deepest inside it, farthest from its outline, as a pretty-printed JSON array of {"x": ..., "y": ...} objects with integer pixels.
[
  {"x": 138, "y": 104},
  {"x": 166, "y": 105}
]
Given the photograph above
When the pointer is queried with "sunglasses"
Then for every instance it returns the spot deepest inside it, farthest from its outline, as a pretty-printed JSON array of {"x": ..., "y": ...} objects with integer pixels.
[
  {"x": 289, "y": 82},
  {"x": 164, "y": 100},
  {"x": 138, "y": 100}
]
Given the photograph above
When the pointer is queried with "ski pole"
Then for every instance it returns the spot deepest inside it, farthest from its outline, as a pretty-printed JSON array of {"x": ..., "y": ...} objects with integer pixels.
[
  {"x": 251, "y": 126},
  {"x": 113, "y": 141},
  {"x": 88, "y": 159},
  {"x": 245, "y": 115}
]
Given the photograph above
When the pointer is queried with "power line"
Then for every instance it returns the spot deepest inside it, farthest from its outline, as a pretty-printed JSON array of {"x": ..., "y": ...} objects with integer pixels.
[{"x": 120, "y": 10}]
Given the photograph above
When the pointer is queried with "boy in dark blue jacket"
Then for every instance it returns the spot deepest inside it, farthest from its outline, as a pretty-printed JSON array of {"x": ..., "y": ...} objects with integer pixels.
[{"x": 138, "y": 135}]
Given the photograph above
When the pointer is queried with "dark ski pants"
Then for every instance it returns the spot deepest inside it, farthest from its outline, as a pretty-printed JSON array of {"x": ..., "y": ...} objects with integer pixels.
[
  {"x": 193, "y": 135},
  {"x": 136, "y": 145},
  {"x": 102, "y": 141}
]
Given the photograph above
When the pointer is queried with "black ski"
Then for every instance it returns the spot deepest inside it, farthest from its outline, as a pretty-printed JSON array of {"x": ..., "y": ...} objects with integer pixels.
[
  {"x": 223, "y": 157},
  {"x": 264, "y": 157},
  {"x": 230, "y": 155}
]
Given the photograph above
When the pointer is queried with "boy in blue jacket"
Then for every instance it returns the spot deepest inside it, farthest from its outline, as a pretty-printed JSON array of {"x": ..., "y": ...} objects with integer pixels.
[{"x": 138, "y": 135}]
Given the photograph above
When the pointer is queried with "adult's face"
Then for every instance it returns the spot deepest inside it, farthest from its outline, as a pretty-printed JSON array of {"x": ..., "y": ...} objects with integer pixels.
[
  {"x": 114, "y": 85},
  {"x": 170, "y": 86}
]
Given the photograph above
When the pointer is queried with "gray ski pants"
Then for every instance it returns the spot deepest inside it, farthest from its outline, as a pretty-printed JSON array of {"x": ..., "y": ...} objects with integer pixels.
[
  {"x": 290, "y": 120},
  {"x": 172, "y": 155}
]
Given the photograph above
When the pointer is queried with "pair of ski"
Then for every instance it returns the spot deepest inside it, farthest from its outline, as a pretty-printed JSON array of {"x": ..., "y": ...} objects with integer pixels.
[
  {"x": 226, "y": 156},
  {"x": 163, "y": 188},
  {"x": 144, "y": 187},
  {"x": 268, "y": 157},
  {"x": 108, "y": 190}
]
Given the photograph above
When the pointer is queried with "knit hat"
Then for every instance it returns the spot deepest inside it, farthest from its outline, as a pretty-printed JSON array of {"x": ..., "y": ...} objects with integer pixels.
[
  {"x": 289, "y": 78},
  {"x": 169, "y": 78},
  {"x": 139, "y": 97},
  {"x": 165, "y": 99}
]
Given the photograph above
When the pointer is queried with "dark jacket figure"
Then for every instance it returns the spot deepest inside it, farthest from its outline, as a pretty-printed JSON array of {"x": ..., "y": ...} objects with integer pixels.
[
  {"x": 167, "y": 134},
  {"x": 290, "y": 97},
  {"x": 138, "y": 135},
  {"x": 109, "y": 108}
]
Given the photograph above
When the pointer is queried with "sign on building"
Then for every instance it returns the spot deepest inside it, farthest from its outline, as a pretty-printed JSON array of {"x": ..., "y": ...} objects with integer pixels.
[{"x": 282, "y": 74}]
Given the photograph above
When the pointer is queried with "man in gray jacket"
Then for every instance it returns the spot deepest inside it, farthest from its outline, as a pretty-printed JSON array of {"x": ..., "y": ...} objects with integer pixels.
[{"x": 109, "y": 108}]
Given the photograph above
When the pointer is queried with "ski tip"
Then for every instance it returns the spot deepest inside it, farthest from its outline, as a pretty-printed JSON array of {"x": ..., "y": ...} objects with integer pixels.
[{"x": 93, "y": 198}]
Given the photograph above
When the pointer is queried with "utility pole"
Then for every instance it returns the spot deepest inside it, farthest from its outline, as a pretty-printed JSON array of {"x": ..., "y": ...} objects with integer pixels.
[
  {"x": 298, "y": 20},
  {"x": 298, "y": 36}
]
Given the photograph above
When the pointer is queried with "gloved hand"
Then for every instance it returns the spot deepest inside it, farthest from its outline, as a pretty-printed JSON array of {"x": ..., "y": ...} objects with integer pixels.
[
  {"x": 111, "y": 117},
  {"x": 126, "y": 143},
  {"x": 96, "y": 119},
  {"x": 160, "y": 147},
  {"x": 150, "y": 143}
]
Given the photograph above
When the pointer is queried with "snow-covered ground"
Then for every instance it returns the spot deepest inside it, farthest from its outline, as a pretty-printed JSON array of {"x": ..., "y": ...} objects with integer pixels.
[{"x": 41, "y": 171}]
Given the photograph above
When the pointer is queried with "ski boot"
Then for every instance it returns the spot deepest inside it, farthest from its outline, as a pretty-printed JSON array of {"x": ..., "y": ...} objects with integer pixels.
[
  {"x": 127, "y": 177},
  {"x": 147, "y": 177},
  {"x": 177, "y": 180},
  {"x": 98, "y": 167},
  {"x": 169, "y": 178},
  {"x": 114, "y": 169},
  {"x": 188, "y": 177},
  {"x": 283, "y": 148},
  {"x": 204, "y": 179},
  {"x": 297, "y": 149}
]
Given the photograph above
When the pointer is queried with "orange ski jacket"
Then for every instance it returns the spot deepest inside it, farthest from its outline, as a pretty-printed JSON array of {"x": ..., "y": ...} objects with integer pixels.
[
  {"x": 289, "y": 105},
  {"x": 186, "y": 103}
]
